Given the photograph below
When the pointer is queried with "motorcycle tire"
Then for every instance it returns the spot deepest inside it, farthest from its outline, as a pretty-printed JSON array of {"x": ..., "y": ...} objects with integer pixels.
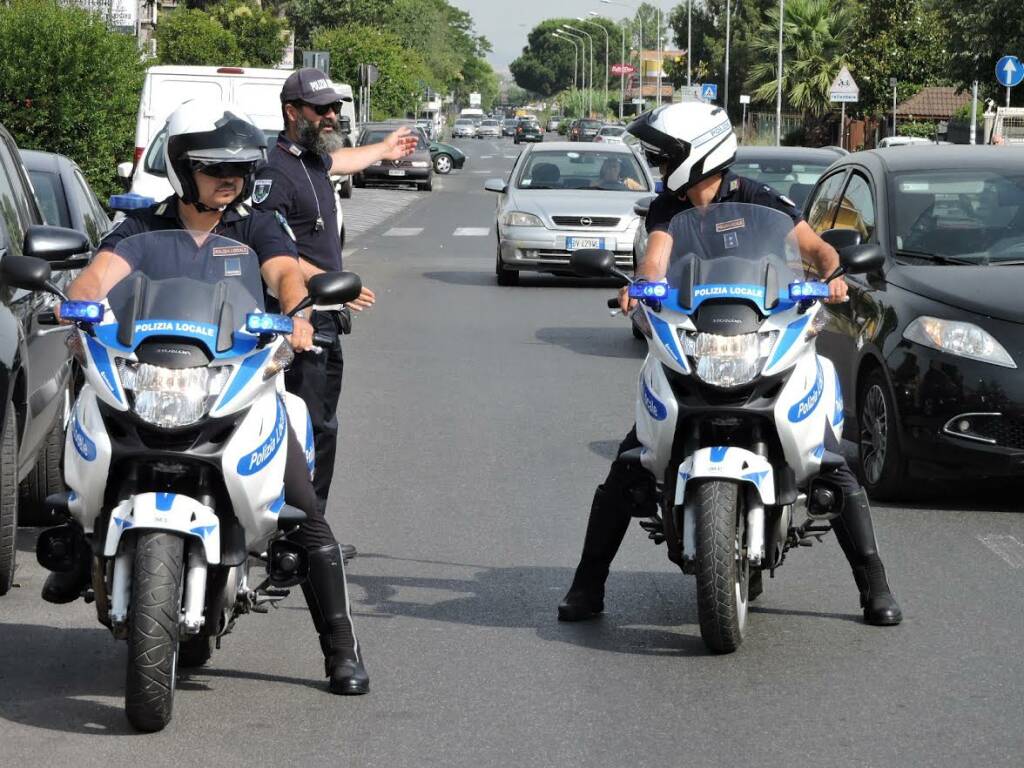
[
  {"x": 723, "y": 574},
  {"x": 153, "y": 630},
  {"x": 195, "y": 651},
  {"x": 8, "y": 501}
]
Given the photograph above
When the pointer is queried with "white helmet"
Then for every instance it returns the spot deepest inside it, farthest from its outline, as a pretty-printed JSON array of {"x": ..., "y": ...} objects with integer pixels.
[
  {"x": 694, "y": 139},
  {"x": 211, "y": 133}
]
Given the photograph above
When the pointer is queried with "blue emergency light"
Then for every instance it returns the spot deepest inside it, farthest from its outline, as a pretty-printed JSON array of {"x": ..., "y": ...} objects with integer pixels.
[
  {"x": 129, "y": 202},
  {"x": 267, "y": 322},
  {"x": 814, "y": 289},
  {"x": 648, "y": 291},
  {"x": 81, "y": 311}
]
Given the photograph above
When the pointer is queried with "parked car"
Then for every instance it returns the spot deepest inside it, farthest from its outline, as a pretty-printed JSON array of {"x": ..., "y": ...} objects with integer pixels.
[
  {"x": 35, "y": 364},
  {"x": 463, "y": 128},
  {"x": 906, "y": 141},
  {"x": 64, "y": 196},
  {"x": 563, "y": 197},
  {"x": 587, "y": 129},
  {"x": 553, "y": 124},
  {"x": 610, "y": 134},
  {"x": 489, "y": 128},
  {"x": 929, "y": 348},
  {"x": 528, "y": 131},
  {"x": 446, "y": 158},
  {"x": 417, "y": 168},
  {"x": 508, "y": 126}
]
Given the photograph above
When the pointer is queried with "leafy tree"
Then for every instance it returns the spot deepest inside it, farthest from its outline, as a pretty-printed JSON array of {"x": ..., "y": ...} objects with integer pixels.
[
  {"x": 70, "y": 85},
  {"x": 191, "y": 36},
  {"x": 258, "y": 34},
  {"x": 546, "y": 64},
  {"x": 980, "y": 33},
  {"x": 307, "y": 16}
]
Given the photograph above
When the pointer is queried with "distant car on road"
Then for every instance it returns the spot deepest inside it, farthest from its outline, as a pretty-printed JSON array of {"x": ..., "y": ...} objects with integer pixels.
[
  {"x": 587, "y": 130},
  {"x": 508, "y": 126},
  {"x": 610, "y": 134},
  {"x": 489, "y": 128},
  {"x": 528, "y": 131},
  {"x": 463, "y": 128},
  {"x": 553, "y": 124},
  {"x": 64, "y": 196},
  {"x": 562, "y": 197},
  {"x": 417, "y": 168}
]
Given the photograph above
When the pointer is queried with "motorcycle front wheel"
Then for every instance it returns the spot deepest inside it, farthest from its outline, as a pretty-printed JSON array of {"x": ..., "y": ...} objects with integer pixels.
[
  {"x": 153, "y": 630},
  {"x": 723, "y": 572}
]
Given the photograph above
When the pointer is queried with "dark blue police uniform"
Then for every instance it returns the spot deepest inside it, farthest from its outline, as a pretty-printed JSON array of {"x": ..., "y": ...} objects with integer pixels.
[{"x": 296, "y": 184}]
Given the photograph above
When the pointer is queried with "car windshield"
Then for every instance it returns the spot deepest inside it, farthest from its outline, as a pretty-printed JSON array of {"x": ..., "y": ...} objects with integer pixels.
[
  {"x": 490, "y": 123},
  {"x": 463, "y": 122},
  {"x": 733, "y": 250},
  {"x": 187, "y": 283},
  {"x": 597, "y": 171},
  {"x": 790, "y": 177},
  {"x": 974, "y": 215},
  {"x": 611, "y": 130}
]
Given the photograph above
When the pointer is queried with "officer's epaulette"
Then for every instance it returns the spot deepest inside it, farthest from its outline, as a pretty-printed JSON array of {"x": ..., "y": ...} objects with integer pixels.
[
  {"x": 241, "y": 210},
  {"x": 161, "y": 210},
  {"x": 734, "y": 185}
]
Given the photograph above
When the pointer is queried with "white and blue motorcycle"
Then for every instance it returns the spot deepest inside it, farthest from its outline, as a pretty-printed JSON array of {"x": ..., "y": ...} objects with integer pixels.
[
  {"x": 175, "y": 451},
  {"x": 733, "y": 403}
]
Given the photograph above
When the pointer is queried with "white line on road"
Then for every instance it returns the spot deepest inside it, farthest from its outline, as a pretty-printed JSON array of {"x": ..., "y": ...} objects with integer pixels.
[
  {"x": 472, "y": 232},
  {"x": 486, "y": 157},
  {"x": 511, "y": 157},
  {"x": 1007, "y": 547},
  {"x": 403, "y": 231}
]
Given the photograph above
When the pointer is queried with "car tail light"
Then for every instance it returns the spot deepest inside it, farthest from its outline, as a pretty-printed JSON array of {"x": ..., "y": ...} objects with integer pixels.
[
  {"x": 138, "y": 154},
  {"x": 231, "y": 71}
]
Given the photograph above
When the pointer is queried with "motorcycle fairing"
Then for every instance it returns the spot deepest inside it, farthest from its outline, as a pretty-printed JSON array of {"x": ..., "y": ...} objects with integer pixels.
[
  {"x": 174, "y": 512},
  {"x": 728, "y": 463}
]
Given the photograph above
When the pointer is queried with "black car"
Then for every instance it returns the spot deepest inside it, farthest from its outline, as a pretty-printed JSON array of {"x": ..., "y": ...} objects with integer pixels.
[
  {"x": 586, "y": 130},
  {"x": 793, "y": 171},
  {"x": 35, "y": 365},
  {"x": 417, "y": 168},
  {"x": 929, "y": 348},
  {"x": 64, "y": 196},
  {"x": 527, "y": 130}
]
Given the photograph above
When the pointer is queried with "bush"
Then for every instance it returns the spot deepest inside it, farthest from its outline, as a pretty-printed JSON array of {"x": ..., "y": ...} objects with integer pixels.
[
  {"x": 920, "y": 128},
  {"x": 70, "y": 85},
  {"x": 189, "y": 36}
]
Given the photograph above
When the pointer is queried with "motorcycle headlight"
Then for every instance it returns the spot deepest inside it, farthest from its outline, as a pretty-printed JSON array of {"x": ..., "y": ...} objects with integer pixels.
[
  {"x": 520, "y": 219},
  {"x": 167, "y": 397},
  {"x": 728, "y": 361},
  {"x": 958, "y": 338}
]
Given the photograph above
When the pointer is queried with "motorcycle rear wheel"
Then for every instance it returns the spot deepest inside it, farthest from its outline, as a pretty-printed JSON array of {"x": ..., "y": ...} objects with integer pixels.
[
  {"x": 155, "y": 613},
  {"x": 723, "y": 573}
]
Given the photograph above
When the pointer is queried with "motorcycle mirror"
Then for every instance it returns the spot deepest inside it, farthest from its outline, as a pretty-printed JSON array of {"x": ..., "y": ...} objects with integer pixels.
[
  {"x": 333, "y": 288},
  {"x": 641, "y": 206},
  {"x": 593, "y": 262}
]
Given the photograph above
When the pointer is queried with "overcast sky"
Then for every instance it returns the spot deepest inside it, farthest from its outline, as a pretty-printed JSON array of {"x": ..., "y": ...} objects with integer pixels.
[{"x": 500, "y": 21}]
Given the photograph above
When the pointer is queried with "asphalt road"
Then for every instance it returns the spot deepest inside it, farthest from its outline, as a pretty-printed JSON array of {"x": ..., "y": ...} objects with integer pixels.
[{"x": 476, "y": 421}]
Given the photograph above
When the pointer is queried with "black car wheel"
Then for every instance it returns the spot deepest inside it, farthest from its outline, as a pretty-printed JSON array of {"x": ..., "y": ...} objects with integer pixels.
[
  {"x": 882, "y": 464},
  {"x": 345, "y": 190},
  {"x": 357, "y": 181},
  {"x": 443, "y": 164},
  {"x": 8, "y": 500},
  {"x": 426, "y": 186},
  {"x": 506, "y": 277},
  {"x": 46, "y": 476}
]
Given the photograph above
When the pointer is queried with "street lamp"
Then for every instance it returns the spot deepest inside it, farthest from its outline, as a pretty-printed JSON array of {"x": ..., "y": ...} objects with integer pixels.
[
  {"x": 640, "y": 43},
  {"x": 575, "y": 57},
  {"x": 602, "y": 28},
  {"x": 622, "y": 61},
  {"x": 583, "y": 55},
  {"x": 590, "y": 92}
]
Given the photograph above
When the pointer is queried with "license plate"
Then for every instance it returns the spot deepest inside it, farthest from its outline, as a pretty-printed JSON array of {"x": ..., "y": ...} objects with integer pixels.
[
  {"x": 396, "y": 173},
  {"x": 575, "y": 243}
]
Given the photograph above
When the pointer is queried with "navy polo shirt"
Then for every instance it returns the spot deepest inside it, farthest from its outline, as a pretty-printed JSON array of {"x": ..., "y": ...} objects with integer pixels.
[
  {"x": 734, "y": 189},
  {"x": 296, "y": 183}
]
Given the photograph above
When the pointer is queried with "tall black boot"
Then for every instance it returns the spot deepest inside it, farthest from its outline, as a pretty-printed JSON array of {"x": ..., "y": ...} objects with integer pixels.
[
  {"x": 856, "y": 536},
  {"x": 67, "y": 586},
  {"x": 326, "y": 595},
  {"x": 609, "y": 519}
]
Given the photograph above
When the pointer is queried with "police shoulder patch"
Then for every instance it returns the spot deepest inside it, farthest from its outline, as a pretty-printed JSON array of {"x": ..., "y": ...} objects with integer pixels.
[{"x": 261, "y": 190}]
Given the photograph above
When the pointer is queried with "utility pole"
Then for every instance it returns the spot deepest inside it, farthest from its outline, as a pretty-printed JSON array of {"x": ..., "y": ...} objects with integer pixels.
[
  {"x": 892, "y": 82},
  {"x": 689, "y": 40},
  {"x": 725, "y": 101},
  {"x": 778, "y": 74}
]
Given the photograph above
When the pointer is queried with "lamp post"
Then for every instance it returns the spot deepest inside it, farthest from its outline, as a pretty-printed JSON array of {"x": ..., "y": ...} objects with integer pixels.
[
  {"x": 575, "y": 58},
  {"x": 604, "y": 106},
  {"x": 728, "y": 8},
  {"x": 590, "y": 92},
  {"x": 661, "y": 56},
  {"x": 583, "y": 55},
  {"x": 778, "y": 80},
  {"x": 689, "y": 40},
  {"x": 640, "y": 43},
  {"x": 622, "y": 60}
]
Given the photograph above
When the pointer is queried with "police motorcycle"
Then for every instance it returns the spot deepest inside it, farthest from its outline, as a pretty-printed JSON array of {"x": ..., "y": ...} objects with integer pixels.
[
  {"x": 733, "y": 402},
  {"x": 175, "y": 452}
]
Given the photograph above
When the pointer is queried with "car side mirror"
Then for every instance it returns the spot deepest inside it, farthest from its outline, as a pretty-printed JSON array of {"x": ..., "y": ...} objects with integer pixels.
[
  {"x": 841, "y": 238},
  {"x": 26, "y": 272},
  {"x": 124, "y": 170},
  {"x": 862, "y": 259},
  {"x": 54, "y": 243},
  {"x": 593, "y": 262},
  {"x": 641, "y": 206},
  {"x": 496, "y": 185}
]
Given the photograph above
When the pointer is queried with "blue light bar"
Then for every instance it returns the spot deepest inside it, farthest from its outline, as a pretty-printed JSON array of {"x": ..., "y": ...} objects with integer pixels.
[
  {"x": 129, "y": 202},
  {"x": 648, "y": 291},
  {"x": 266, "y": 322},
  {"x": 81, "y": 311},
  {"x": 814, "y": 289}
]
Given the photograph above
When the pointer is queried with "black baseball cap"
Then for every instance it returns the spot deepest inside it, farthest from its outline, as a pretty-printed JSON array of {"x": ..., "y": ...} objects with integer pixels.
[{"x": 311, "y": 86}]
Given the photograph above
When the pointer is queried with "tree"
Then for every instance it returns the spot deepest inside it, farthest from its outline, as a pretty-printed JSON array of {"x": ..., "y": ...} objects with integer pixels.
[
  {"x": 546, "y": 64},
  {"x": 70, "y": 85},
  {"x": 815, "y": 34},
  {"x": 190, "y": 36},
  {"x": 307, "y": 16},
  {"x": 259, "y": 35},
  {"x": 979, "y": 34}
]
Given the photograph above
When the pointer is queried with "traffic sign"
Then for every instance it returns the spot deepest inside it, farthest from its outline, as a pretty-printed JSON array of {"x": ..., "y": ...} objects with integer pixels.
[
  {"x": 844, "y": 88},
  {"x": 623, "y": 69},
  {"x": 1009, "y": 71},
  {"x": 744, "y": 99},
  {"x": 709, "y": 91}
]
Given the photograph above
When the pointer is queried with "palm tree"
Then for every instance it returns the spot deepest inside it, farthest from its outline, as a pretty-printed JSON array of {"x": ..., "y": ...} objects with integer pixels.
[{"x": 815, "y": 39}]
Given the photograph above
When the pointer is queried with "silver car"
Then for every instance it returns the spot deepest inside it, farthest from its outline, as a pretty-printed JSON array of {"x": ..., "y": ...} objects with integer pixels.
[
  {"x": 561, "y": 197},
  {"x": 463, "y": 128},
  {"x": 489, "y": 128}
]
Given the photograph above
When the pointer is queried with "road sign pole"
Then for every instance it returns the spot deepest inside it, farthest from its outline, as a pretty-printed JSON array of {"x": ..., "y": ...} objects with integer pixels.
[
  {"x": 1007, "y": 96},
  {"x": 842, "y": 126},
  {"x": 974, "y": 113}
]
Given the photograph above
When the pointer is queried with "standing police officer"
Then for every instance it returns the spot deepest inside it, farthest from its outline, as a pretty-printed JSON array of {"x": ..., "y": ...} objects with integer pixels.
[{"x": 296, "y": 183}]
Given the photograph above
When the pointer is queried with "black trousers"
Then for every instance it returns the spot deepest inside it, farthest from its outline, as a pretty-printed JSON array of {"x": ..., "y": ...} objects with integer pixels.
[
  {"x": 317, "y": 380},
  {"x": 315, "y": 532}
]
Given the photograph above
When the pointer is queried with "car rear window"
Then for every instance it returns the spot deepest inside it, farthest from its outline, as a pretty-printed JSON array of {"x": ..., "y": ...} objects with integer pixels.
[
  {"x": 590, "y": 124},
  {"x": 568, "y": 169},
  {"x": 612, "y": 130},
  {"x": 50, "y": 195},
  {"x": 792, "y": 178}
]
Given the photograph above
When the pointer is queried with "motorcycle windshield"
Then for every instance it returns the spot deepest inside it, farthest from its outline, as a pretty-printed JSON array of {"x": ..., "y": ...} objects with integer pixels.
[
  {"x": 187, "y": 284},
  {"x": 734, "y": 251}
]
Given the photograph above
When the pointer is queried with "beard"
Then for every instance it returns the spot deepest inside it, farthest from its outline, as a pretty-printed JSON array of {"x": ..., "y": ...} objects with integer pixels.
[{"x": 313, "y": 137}]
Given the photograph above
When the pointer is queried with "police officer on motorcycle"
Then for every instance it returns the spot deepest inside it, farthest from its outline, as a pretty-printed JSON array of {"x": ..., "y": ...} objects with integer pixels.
[
  {"x": 693, "y": 144},
  {"x": 212, "y": 153}
]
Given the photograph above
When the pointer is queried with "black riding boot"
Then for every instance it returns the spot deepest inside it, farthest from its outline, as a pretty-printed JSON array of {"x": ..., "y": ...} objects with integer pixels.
[
  {"x": 857, "y": 538},
  {"x": 327, "y": 597},
  {"x": 609, "y": 519},
  {"x": 67, "y": 586}
]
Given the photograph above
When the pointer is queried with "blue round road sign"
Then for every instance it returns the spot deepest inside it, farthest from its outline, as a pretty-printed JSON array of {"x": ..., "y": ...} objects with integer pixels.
[{"x": 1009, "y": 71}]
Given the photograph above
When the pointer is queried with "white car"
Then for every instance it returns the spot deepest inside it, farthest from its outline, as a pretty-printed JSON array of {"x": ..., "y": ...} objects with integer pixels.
[
  {"x": 903, "y": 141},
  {"x": 464, "y": 128},
  {"x": 610, "y": 134}
]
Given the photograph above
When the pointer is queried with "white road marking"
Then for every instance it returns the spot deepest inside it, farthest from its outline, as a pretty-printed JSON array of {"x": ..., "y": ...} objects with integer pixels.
[
  {"x": 472, "y": 232},
  {"x": 511, "y": 157},
  {"x": 1009, "y": 548},
  {"x": 486, "y": 157},
  {"x": 403, "y": 232}
]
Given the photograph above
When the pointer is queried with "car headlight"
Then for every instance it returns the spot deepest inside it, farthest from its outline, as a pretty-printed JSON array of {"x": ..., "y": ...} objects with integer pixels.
[
  {"x": 728, "y": 361},
  {"x": 520, "y": 219},
  {"x": 958, "y": 338},
  {"x": 168, "y": 397}
]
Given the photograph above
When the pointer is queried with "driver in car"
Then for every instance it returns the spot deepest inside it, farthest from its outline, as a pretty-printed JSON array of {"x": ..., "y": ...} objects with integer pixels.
[{"x": 613, "y": 177}]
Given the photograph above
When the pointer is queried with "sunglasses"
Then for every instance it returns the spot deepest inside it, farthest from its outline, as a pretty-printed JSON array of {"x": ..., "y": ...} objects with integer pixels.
[
  {"x": 223, "y": 170},
  {"x": 323, "y": 109}
]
